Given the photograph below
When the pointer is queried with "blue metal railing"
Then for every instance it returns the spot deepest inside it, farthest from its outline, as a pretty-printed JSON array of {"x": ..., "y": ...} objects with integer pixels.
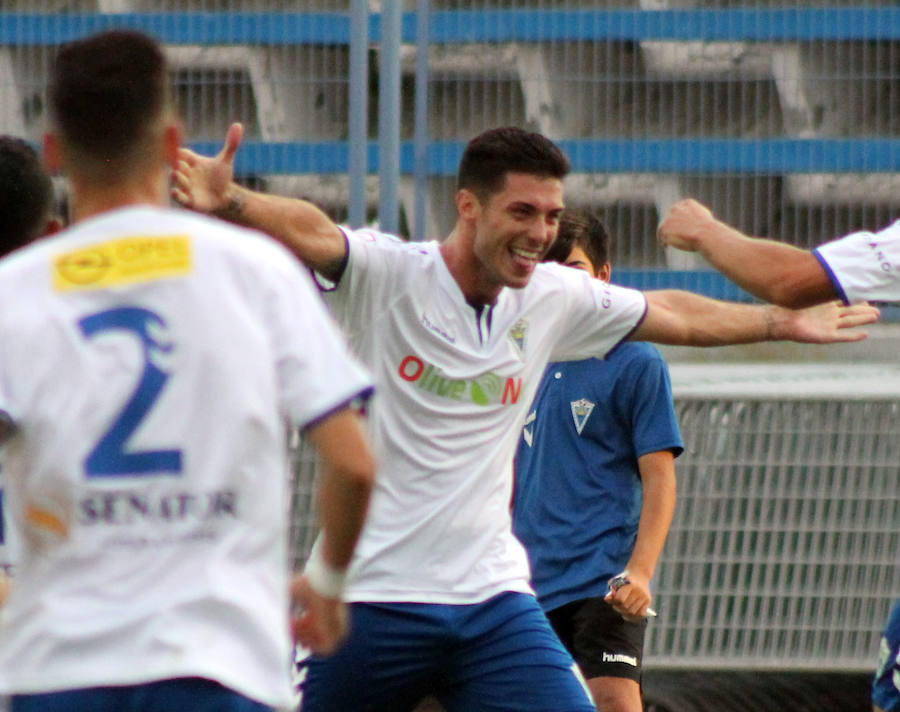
[
  {"x": 690, "y": 155},
  {"x": 538, "y": 25},
  {"x": 759, "y": 156}
]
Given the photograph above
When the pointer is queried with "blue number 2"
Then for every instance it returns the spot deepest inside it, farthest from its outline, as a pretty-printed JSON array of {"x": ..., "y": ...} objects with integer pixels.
[{"x": 109, "y": 458}]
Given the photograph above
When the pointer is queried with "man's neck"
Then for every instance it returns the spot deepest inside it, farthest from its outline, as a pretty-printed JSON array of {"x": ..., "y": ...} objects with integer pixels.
[
  {"x": 90, "y": 199},
  {"x": 459, "y": 256}
]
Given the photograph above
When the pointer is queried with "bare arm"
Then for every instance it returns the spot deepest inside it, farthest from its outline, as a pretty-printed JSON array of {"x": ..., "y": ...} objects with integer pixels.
[
  {"x": 346, "y": 483},
  {"x": 685, "y": 319},
  {"x": 343, "y": 499},
  {"x": 773, "y": 271},
  {"x": 658, "y": 481},
  {"x": 206, "y": 184}
]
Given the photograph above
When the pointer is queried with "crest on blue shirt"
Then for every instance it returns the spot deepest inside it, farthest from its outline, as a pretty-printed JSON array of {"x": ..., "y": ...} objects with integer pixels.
[
  {"x": 581, "y": 411},
  {"x": 528, "y": 434},
  {"x": 517, "y": 334}
]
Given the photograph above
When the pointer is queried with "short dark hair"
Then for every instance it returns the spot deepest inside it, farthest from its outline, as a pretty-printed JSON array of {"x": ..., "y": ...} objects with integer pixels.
[
  {"x": 581, "y": 228},
  {"x": 26, "y": 194},
  {"x": 107, "y": 93},
  {"x": 491, "y": 155}
]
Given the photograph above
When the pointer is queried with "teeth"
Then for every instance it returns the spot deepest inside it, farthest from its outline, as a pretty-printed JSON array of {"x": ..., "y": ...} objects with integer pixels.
[{"x": 528, "y": 254}]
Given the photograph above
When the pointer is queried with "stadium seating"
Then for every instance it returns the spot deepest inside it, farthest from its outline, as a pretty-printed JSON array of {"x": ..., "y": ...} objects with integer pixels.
[{"x": 783, "y": 118}]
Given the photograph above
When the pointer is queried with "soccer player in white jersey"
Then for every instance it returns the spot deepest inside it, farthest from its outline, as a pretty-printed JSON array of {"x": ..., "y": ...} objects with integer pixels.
[
  {"x": 151, "y": 361},
  {"x": 859, "y": 266},
  {"x": 26, "y": 211},
  {"x": 458, "y": 335}
]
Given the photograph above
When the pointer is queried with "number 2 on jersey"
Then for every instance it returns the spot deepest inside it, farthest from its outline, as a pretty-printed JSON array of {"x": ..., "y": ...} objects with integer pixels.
[{"x": 110, "y": 457}]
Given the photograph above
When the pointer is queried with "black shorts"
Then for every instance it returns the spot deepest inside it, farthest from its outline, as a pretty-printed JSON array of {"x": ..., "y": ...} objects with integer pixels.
[{"x": 602, "y": 642}]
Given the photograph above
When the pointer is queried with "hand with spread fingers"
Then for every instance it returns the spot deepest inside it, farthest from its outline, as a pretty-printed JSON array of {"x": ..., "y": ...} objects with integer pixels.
[
  {"x": 203, "y": 183},
  {"x": 832, "y": 322}
]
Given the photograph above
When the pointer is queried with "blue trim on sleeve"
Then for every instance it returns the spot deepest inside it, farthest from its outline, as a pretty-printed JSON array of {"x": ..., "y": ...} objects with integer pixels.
[
  {"x": 321, "y": 281},
  {"x": 832, "y": 276},
  {"x": 363, "y": 396},
  {"x": 628, "y": 336}
]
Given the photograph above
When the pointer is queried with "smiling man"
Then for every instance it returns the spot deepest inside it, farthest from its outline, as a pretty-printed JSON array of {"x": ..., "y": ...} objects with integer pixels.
[{"x": 458, "y": 334}]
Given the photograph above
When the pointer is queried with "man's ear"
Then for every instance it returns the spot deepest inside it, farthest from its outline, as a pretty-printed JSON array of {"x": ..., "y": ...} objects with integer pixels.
[
  {"x": 53, "y": 154},
  {"x": 467, "y": 204},
  {"x": 53, "y": 226},
  {"x": 172, "y": 137},
  {"x": 605, "y": 272}
]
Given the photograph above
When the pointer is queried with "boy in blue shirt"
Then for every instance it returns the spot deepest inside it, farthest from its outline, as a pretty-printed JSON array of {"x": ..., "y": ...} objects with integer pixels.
[{"x": 595, "y": 490}]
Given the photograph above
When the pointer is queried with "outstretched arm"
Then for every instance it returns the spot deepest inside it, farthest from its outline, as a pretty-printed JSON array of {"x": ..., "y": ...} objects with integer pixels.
[
  {"x": 206, "y": 184},
  {"x": 773, "y": 271},
  {"x": 685, "y": 319},
  {"x": 320, "y": 621}
]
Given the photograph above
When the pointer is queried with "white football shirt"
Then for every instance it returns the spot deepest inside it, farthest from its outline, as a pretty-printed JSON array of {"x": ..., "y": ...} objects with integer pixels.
[
  {"x": 152, "y": 359},
  {"x": 453, "y": 389},
  {"x": 864, "y": 266}
]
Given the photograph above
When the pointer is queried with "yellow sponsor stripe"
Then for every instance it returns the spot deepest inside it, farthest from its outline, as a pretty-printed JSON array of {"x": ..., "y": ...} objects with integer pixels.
[{"x": 127, "y": 260}]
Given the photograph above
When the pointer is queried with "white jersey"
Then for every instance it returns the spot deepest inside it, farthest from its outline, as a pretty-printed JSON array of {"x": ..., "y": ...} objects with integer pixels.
[
  {"x": 865, "y": 266},
  {"x": 453, "y": 390},
  {"x": 152, "y": 359}
]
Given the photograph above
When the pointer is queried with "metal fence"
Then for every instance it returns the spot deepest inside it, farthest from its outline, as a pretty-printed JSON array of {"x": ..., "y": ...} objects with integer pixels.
[
  {"x": 784, "y": 117},
  {"x": 785, "y": 546}
]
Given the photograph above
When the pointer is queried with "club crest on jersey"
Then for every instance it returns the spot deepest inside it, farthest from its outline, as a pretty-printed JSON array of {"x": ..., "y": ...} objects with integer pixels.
[
  {"x": 528, "y": 434},
  {"x": 517, "y": 334},
  {"x": 581, "y": 411}
]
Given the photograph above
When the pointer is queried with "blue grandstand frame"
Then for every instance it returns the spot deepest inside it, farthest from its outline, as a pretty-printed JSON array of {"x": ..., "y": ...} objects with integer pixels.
[
  {"x": 691, "y": 155},
  {"x": 653, "y": 155},
  {"x": 281, "y": 28}
]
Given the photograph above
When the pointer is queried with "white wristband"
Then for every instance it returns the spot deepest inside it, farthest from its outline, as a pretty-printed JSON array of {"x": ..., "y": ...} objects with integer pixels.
[{"x": 326, "y": 580}]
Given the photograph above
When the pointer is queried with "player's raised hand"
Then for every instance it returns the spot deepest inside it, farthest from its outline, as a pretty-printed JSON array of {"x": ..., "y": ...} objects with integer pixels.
[
  {"x": 202, "y": 183},
  {"x": 683, "y": 223},
  {"x": 317, "y": 622},
  {"x": 831, "y": 322}
]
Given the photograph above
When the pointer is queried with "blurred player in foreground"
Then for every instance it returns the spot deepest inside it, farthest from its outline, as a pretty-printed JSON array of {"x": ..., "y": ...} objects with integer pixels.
[
  {"x": 458, "y": 334},
  {"x": 861, "y": 266},
  {"x": 595, "y": 490},
  {"x": 26, "y": 212},
  {"x": 26, "y": 196},
  {"x": 151, "y": 360}
]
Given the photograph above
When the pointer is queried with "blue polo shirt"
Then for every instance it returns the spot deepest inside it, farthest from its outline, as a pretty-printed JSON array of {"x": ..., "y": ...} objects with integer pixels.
[{"x": 577, "y": 498}]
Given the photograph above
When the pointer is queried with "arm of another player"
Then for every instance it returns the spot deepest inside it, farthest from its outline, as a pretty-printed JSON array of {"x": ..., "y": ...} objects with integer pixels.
[
  {"x": 682, "y": 318},
  {"x": 320, "y": 622},
  {"x": 658, "y": 482},
  {"x": 206, "y": 184},
  {"x": 774, "y": 271}
]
